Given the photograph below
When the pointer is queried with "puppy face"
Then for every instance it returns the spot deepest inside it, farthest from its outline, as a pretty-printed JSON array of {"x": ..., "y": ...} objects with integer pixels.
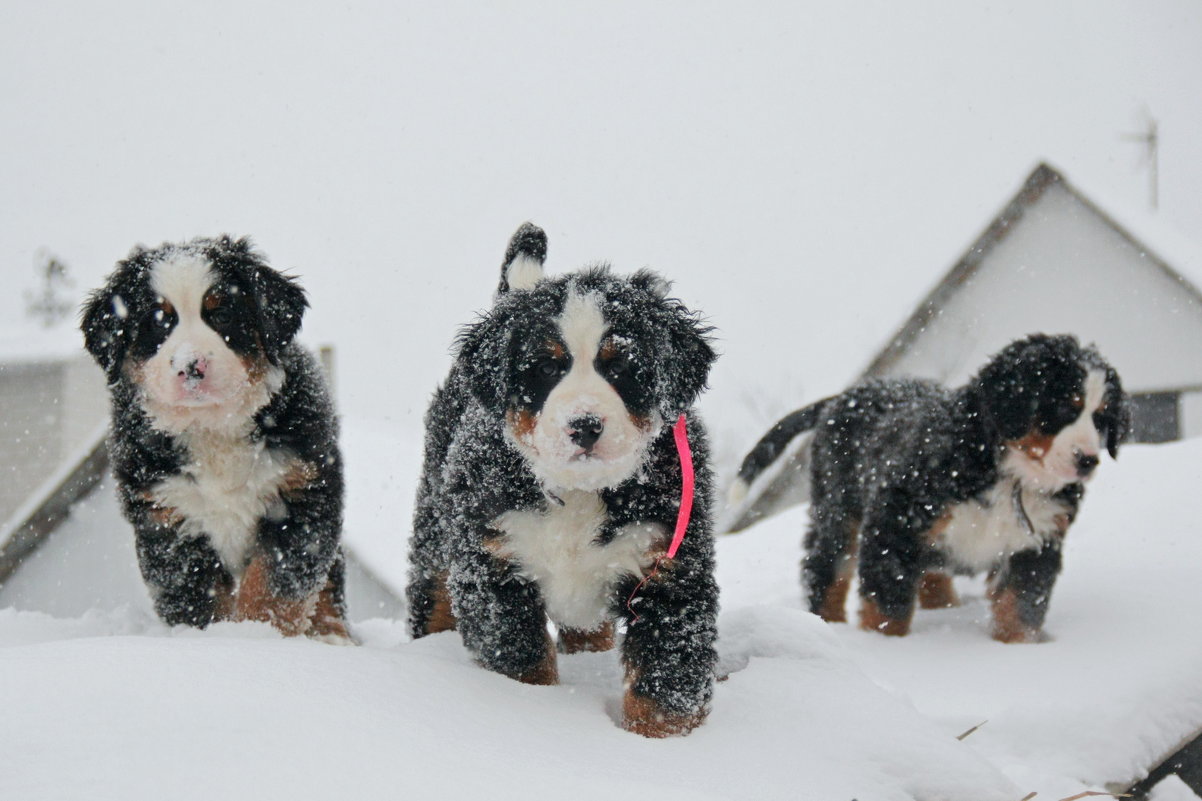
[
  {"x": 1057, "y": 405},
  {"x": 197, "y": 328},
  {"x": 585, "y": 371}
]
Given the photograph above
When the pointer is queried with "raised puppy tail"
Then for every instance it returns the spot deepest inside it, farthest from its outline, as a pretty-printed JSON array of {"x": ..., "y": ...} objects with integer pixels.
[
  {"x": 523, "y": 265},
  {"x": 771, "y": 446}
]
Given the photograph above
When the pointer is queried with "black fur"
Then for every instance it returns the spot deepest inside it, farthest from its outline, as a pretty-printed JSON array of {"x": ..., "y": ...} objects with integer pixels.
[
  {"x": 891, "y": 459},
  {"x": 473, "y": 473},
  {"x": 260, "y": 315}
]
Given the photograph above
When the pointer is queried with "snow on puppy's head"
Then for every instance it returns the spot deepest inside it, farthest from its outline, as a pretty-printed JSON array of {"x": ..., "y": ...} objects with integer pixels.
[
  {"x": 198, "y": 327},
  {"x": 585, "y": 370}
]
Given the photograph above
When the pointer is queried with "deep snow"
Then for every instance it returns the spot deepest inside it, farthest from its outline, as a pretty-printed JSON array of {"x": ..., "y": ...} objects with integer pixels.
[{"x": 115, "y": 705}]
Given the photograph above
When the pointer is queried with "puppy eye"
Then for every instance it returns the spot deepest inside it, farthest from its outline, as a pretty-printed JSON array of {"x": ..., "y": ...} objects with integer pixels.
[
  {"x": 616, "y": 368},
  {"x": 221, "y": 316},
  {"x": 548, "y": 368}
]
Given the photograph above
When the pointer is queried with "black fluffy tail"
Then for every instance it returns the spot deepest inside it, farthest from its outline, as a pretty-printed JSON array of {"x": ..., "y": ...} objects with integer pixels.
[
  {"x": 772, "y": 444},
  {"x": 523, "y": 265}
]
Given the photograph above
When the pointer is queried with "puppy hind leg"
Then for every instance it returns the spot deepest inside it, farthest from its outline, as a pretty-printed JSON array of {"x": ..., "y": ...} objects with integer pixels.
[
  {"x": 891, "y": 565},
  {"x": 829, "y": 563}
]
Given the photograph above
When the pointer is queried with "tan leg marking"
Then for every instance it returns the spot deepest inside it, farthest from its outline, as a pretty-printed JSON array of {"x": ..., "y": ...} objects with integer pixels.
[
  {"x": 255, "y": 601},
  {"x": 645, "y": 717},
  {"x": 573, "y": 641},
  {"x": 1007, "y": 626},
  {"x": 872, "y": 619},
  {"x": 545, "y": 672},
  {"x": 441, "y": 617},
  {"x": 834, "y": 603},
  {"x": 327, "y": 619},
  {"x": 936, "y": 591}
]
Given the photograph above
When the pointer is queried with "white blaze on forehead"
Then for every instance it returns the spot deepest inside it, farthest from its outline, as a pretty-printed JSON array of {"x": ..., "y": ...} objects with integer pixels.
[
  {"x": 582, "y": 325},
  {"x": 183, "y": 277},
  {"x": 622, "y": 446}
]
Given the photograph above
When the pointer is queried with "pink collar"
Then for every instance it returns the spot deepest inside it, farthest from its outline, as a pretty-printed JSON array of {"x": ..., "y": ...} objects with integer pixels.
[
  {"x": 686, "y": 484},
  {"x": 686, "y": 506}
]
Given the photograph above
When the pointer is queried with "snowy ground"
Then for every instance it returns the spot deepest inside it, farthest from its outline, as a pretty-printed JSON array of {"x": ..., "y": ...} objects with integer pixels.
[
  {"x": 114, "y": 705},
  {"x": 803, "y": 171}
]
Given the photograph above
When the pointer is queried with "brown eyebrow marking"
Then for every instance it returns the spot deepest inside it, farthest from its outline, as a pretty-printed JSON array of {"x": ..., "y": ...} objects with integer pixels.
[
  {"x": 556, "y": 349},
  {"x": 609, "y": 349},
  {"x": 165, "y": 306},
  {"x": 213, "y": 299}
]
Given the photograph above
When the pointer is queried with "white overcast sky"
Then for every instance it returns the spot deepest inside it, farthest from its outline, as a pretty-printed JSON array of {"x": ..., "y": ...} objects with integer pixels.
[{"x": 804, "y": 171}]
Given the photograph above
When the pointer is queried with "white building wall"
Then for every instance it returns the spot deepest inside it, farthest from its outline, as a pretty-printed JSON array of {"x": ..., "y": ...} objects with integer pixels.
[
  {"x": 1063, "y": 269},
  {"x": 89, "y": 562},
  {"x": 1190, "y": 411},
  {"x": 31, "y": 445}
]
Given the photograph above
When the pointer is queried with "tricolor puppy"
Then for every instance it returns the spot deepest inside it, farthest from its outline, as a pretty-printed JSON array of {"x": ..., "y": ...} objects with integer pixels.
[
  {"x": 552, "y": 484},
  {"x": 223, "y": 442},
  {"x": 917, "y": 482}
]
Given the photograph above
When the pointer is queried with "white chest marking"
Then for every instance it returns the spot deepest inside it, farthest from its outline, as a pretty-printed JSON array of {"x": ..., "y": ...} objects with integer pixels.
[
  {"x": 557, "y": 549},
  {"x": 981, "y": 534},
  {"x": 224, "y": 491}
]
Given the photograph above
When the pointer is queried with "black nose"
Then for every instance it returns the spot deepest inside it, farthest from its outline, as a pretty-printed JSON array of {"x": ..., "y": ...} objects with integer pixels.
[
  {"x": 585, "y": 430},
  {"x": 1086, "y": 463},
  {"x": 194, "y": 370}
]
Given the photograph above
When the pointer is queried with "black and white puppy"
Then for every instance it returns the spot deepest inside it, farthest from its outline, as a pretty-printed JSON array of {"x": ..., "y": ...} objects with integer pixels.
[
  {"x": 223, "y": 441},
  {"x": 917, "y": 481},
  {"x": 551, "y": 487}
]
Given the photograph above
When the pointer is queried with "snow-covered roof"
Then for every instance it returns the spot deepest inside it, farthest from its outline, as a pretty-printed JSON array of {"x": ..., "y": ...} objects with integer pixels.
[{"x": 1163, "y": 249}]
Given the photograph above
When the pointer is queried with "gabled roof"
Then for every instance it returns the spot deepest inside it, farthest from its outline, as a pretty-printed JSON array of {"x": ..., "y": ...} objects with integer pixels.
[{"x": 1043, "y": 178}]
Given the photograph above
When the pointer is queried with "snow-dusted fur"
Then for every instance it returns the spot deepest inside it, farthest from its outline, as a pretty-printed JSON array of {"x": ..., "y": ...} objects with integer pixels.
[
  {"x": 223, "y": 440},
  {"x": 551, "y": 486},
  {"x": 915, "y": 481}
]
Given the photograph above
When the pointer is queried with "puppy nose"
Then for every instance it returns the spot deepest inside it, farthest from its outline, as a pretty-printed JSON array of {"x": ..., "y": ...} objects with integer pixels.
[
  {"x": 195, "y": 368},
  {"x": 585, "y": 430},
  {"x": 1086, "y": 462}
]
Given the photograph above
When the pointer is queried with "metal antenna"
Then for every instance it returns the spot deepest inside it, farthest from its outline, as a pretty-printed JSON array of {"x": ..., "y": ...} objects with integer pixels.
[{"x": 1150, "y": 139}]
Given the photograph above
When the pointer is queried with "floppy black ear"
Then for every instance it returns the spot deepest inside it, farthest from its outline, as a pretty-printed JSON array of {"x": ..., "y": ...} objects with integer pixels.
[
  {"x": 482, "y": 352},
  {"x": 282, "y": 305},
  {"x": 1115, "y": 416},
  {"x": 103, "y": 323},
  {"x": 105, "y": 317},
  {"x": 686, "y": 366},
  {"x": 280, "y": 300},
  {"x": 1009, "y": 389}
]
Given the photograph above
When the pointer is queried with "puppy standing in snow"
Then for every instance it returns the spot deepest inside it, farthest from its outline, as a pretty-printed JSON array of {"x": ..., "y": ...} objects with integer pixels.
[
  {"x": 915, "y": 481},
  {"x": 552, "y": 486},
  {"x": 223, "y": 441}
]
